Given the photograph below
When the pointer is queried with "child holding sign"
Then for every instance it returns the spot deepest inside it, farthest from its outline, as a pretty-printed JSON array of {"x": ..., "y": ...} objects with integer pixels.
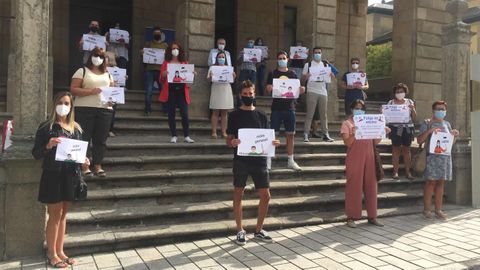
[
  {"x": 439, "y": 163},
  {"x": 247, "y": 116},
  {"x": 59, "y": 180}
]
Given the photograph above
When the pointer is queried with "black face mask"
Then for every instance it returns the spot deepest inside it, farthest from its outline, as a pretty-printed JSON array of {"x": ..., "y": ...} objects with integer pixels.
[
  {"x": 247, "y": 101},
  {"x": 94, "y": 29},
  {"x": 157, "y": 37}
]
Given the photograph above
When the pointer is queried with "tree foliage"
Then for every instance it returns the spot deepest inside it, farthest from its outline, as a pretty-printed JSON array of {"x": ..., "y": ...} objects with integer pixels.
[{"x": 379, "y": 61}]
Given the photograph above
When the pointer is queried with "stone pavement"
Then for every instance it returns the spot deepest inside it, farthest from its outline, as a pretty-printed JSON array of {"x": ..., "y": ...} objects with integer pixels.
[{"x": 406, "y": 242}]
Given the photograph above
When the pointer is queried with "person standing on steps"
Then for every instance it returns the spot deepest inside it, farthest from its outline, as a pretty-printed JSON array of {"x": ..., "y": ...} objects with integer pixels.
[
  {"x": 283, "y": 110},
  {"x": 355, "y": 91},
  {"x": 360, "y": 170},
  {"x": 94, "y": 28},
  {"x": 261, "y": 66},
  {"x": 175, "y": 94},
  {"x": 221, "y": 44},
  {"x": 247, "y": 116}
]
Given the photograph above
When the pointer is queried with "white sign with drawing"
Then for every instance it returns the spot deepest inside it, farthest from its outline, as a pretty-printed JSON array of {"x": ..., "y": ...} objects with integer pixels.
[
  {"x": 286, "y": 88},
  {"x": 180, "y": 73},
  {"x": 256, "y": 142},
  {"x": 264, "y": 51},
  {"x": 356, "y": 78},
  {"x": 320, "y": 74},
  {"x": 252, "y": 55},
  {"x": 119, "y": 36},
  {"x": 112, "y": 95},
  {"x": 119, "y": 75},
  {"x": 441, "y": 143},
  {"x": 222, "y": 74},
  {"x": 70, "y": 150},
  {"x": 153, "y": 56},
  {"x": 369, "y": 126},
  {"x": 298, "y": 52},
  {"x": 396, "y": 113},
  {"x": 92, "y": 41}
]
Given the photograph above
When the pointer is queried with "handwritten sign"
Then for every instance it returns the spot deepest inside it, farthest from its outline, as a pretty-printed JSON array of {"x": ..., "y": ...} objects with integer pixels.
[
  {"x": 286, "y": 88},
  {"x": 222, "y": 74},
  {"x": 369, "y": 126},
  {"x": 356, "y": 78},
  {"x": 92, "y": 41},
  {"x": 70, "y": 150},
  {"x": 298, "y": 52},
  {"x": 180, "y": 73},
  {"x": 264, "y": 50},
  {"x": 396, "y": 113},
  {"x": 256, "y": 142},
  {"x": 119, "y": 36},
  {"x": 252, "y": 55},
  {"x": 112, "y": 95},
  {"x": 119, "y": 75},
  {"x": 153, "y": 56},
  {"x": 320, "y": 74},
  {"x": 441, "y": 143}
]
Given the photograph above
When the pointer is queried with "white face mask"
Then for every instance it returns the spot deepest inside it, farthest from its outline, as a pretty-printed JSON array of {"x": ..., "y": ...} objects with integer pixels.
[
  {"x": 355, "y": 66},
  {"x": 221, "y": 47},
  {"x": 62, "y": 110},
  {"x": 400, "y": 96},
  {"x": 175, "y": 52},
  {"x": 97, "y": 61}
]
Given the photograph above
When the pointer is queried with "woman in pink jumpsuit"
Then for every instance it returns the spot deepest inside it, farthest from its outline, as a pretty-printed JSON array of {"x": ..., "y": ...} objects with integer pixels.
[{"x": 360, "y": 171}]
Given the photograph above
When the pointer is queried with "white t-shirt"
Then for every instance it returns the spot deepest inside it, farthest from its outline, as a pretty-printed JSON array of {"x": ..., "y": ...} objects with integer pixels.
[
  {"x": 315, "y": 87},
  {"x": 92, "y": 80}
]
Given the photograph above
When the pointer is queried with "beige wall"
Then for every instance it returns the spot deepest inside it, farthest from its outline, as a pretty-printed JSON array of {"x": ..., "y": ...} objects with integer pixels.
[
  {"x": 378, "y": 25},
  {"x": 475, "y": 49},
  {"x": 5, "y": 10}
]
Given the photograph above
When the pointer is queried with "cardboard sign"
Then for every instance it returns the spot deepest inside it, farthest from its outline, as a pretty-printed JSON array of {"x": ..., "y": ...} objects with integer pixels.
[
  {"x": 356, "y": 78},
  {"x": 298, "y": 52},
  {"x": 369, "y": 126},
  {"x": 119, "y": 36},
  {"x": 320, "y": 74},
  {"x": 69, "y": 150},
  {"x": 222, "y": 74},
  {"x": 264, "y": 51},
  {"x": 286, "y": 88},
  {"x": 92, "y": 41},
  {"x": 119, "y": 75},
  {"x": 153, "y": 56},
  {"x": 441, "y": 143},
  {"x": 112, "y": 95},
  {"x": 252, "y": 55},
  {"x": 256, "y": 142},
  {"x": 180, "y": 73},
  {"x": 396, "y": 113}
]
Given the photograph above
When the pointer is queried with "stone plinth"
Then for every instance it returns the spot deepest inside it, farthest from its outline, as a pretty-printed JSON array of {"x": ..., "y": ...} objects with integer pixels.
[{"x": 475, "y": 122}]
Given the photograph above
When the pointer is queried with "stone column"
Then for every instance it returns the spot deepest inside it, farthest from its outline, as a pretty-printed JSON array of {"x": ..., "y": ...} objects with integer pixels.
[
  {"x": 475, "y": 121},
  {"x": 195, "y": 24},
  {"x": 23, "y": 221},
  {"x": 455, "y": 90}
]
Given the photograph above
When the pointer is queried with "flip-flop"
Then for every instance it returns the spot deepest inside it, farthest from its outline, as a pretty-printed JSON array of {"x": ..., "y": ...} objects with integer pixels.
[
  {"x": 69, "y": 261},
  {"x": 100, "y": 173},
  {"x": 59, "y": 264}
]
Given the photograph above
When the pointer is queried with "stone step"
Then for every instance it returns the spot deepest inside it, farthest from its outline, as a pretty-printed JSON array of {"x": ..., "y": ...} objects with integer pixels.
[{"x": 114, "y": 239}]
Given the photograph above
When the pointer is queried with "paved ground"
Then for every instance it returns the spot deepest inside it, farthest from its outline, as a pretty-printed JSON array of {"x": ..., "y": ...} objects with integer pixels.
[{"x": 406, "y": 242}]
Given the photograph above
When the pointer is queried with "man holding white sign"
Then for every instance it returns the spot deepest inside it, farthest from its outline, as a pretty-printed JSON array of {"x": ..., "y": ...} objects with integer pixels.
[
  {"x": 253, "y": 164},
  {"x": 94, "y": 28},
  {"x": 355, "y": 83},
  {"x": 119, "y": 43}
]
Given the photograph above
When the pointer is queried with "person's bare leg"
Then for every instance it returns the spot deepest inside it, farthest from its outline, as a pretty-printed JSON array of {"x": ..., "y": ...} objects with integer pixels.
[
  {"x": 395, "y": 159},
  {"x": 290, "y": 139},
  {"x": 439, "y": 190},
  {"x": 54, "y": 216},
  {"x": 407, "y": 160},
  {"x": 214, "y": 122},
  {"x": 264, "y": 194},
  {"x": 237, "y": 207},
  {"x": 61, "y": 233},
  {"x": 223, "y": 115},
  {"x": 427, "y": 195}
]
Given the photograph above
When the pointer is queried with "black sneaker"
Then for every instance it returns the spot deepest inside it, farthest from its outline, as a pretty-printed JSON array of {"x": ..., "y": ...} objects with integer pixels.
[
  {"x": 241, "y": 238},
  {"x": 327, "y": 138},
  {"x": 263, "y": 236}
]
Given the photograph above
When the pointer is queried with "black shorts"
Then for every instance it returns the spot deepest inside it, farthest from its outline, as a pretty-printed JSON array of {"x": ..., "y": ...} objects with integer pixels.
[
  {"x": 259, "y": 174},
  {"x": 404, "y": 140}
]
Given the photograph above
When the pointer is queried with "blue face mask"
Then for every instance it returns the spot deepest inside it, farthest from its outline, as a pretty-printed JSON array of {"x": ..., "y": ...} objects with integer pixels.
[
  {"x": 282, "y": 63},
  {"x": 221, "y": 61},
  {"x": 440, "y": 114},
  {"x": 317, "y": 57},
  {"x": 358, "y": 112},
  {"x": 250, "y": 45}
]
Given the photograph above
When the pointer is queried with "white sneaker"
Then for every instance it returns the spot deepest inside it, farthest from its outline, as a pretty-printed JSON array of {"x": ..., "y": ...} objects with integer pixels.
[
  {"x": 173, "y": 139},
  {"x": 294, "y": 166},
  {"x": 305, "y": 138},
  {"x": 188, "y": 140}
]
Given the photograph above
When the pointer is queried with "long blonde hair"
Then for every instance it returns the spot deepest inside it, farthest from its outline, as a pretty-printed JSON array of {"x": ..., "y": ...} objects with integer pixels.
[{"x": 71, "y": 124}]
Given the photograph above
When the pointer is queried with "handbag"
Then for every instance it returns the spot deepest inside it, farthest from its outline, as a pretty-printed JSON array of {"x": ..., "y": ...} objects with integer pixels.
[
  {"x": 81, "y": 190},
  {"x": 379, "y": 173},
  {"x": 419, "y": 160}
]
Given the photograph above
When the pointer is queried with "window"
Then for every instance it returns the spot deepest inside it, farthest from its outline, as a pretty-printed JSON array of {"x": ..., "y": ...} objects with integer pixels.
[{"x": 290, "y": 26}]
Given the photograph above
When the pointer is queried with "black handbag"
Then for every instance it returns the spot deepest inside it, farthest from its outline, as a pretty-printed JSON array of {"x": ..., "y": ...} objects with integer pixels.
[{"x": 80, "y": 192}]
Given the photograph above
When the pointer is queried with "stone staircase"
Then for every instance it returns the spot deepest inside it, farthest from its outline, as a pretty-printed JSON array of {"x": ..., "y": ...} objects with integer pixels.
[{"x": 157, "y": 192}]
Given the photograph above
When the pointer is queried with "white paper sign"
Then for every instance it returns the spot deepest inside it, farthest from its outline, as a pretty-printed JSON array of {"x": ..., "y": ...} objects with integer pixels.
[
  {"x": 112, "y": 95},
  {"x": 320, "y": 74},
  {"x": 153, "y": 56},
  {"x": 252, "y": 55},
  {"x": 70, "y": 150},
  {"x": 180, "y": 73},
  {"x": 119, "y": 36},
  {"x": 298, "y": 52},
  {"x": 396, "y": 113},
  {"x": 356, "y": 78},
  {"x": 256, "y": 142},
  {"x": 119, "y": 75},
  {"x": 7, "y": 134},
  {"x": 369, "y": 126},
  {"x": 286, "y": 88},
  {"x": 222, "y": 74},
  {"x": 264, "y": 51},
  {"x": 441, "y": 143},
  {"x": 92, "y": 41}
]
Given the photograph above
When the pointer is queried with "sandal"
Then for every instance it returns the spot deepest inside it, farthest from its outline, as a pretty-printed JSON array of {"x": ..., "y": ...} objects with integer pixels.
[
  {"x": 69, "y": 261},
  {"x": 395, "y": 176},
  {"x": 440, "y": 215},
  {"x": 375, "y": 222},
  {"x": 410, "y": 177},
  {"x": 88, "y": 173},
  {"x": 59, "y": 264},
  {"x": 351, "y": 223},
  {"x": 224, "y": 136},
  {"x": 213, "y": 136},
  {"x": 427, "y": 214},
  {"x": 100, "y": 173}
]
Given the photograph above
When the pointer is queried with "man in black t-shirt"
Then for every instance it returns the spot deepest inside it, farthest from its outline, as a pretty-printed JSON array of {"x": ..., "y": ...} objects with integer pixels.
[
  {"x": 246, "y": 116},
  {"x": 283, "y": 110},
  {"x": 355, "y": 91}
]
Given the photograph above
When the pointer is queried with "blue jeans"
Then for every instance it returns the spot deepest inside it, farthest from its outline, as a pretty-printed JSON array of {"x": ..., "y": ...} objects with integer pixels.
[
  {"x": 350, "y": 96},
  {"x": 247, "y": 74},
  {"x": 149, "y": 78}
]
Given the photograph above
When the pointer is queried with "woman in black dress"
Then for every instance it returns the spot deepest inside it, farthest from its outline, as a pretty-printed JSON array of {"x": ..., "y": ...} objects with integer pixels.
[{"x": 59, "y": 179}]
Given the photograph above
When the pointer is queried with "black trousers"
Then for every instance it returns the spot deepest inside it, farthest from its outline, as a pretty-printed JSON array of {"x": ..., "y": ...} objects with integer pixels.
[{"x": 95, "y": 123}]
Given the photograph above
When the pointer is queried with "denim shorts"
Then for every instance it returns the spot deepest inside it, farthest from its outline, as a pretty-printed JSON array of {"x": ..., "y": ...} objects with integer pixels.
[
  {"x": 258, "y": 172},
  {"x": 287, "y": 117}
]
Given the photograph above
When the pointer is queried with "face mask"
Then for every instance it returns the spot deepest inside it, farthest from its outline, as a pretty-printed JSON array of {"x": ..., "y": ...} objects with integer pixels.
[
  {"x": 94, "y": 29},
  {"x": 260, "y": 43},
  {"x": 358, "y": 112},
  {"x": 250, "y": 45},
  {"x": 400, "y": 96},
  {"x": 97, "y": 61},
  {"x": 317, "y": 57},
  {"x": 221, "y": 47},
  {"x": 157, "y": 37},
  {"x": 62, "y": 110},
  {"x": 247, "y": 101},
  {"x": 282, "y": 63},
  {"x": 440, "y": 114},
  {"x": 355, "y": 66},
  {"x": 175, "y": 52},
  {"x": 221, "y": 61}
]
